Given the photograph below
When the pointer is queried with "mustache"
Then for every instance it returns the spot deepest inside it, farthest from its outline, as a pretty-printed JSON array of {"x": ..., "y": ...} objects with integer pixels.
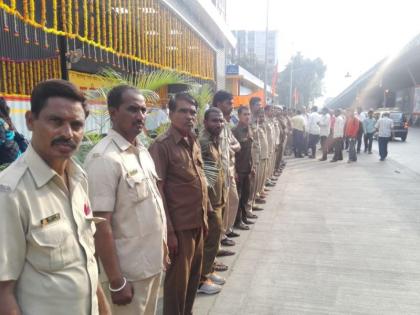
[{"x": 64, "y": 141}]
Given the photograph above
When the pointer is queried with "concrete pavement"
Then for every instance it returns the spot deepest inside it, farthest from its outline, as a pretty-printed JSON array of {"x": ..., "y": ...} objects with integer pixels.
[{"x": 334, "y": 238}]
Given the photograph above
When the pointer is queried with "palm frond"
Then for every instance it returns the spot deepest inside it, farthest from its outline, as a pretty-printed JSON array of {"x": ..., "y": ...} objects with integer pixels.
[
  {"x": 147, "y": 83},
  {"x": 203, "y": 95}
]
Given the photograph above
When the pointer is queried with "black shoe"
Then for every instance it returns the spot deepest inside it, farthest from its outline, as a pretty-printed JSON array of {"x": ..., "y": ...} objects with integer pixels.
[
  {"x": 227, "y": 242},
  {"x": 334, "y": 160},
  {"x": 256, "y": 208},
  {"x": 252, "y": 216},
  {"x": 323, "y": 159},
  {"x": 248, "y": 222},
  {"x": 232, "y": 234},
  {"x": 241, "y": 226},
  {"x": 224, "y": 252}
]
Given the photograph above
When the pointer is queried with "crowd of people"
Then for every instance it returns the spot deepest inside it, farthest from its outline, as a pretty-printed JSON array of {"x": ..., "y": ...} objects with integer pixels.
[
  {"x": 338, "y": 130},
  {"x": 99, "y": 239}
]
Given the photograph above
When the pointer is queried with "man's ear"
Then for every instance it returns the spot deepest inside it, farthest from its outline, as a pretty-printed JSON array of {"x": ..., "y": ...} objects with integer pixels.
[{"x": 29, "y": 117}]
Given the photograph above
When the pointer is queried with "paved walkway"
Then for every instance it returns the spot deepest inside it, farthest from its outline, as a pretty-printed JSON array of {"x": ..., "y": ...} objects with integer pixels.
[{"x": 334, "y": 239}]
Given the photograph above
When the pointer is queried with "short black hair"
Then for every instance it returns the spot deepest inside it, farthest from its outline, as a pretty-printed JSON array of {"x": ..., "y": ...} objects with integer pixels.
[
  {"x": 184, "y": 96},
  {"x": 55, "y": 88},
  {"x": 314, "y": 108},
  {"x": 242, "y": 108},
  {"x": 4, "y": 109},
  {"x": 115, "y": 95},
  {"x": 221, "y": 96},
  {"x": 212, "y": 110},
  {"x": 254, "y": 100}
]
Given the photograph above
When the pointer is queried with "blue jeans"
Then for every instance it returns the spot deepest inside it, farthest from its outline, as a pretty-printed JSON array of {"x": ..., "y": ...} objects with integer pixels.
[{"x": 383, "y": 147}]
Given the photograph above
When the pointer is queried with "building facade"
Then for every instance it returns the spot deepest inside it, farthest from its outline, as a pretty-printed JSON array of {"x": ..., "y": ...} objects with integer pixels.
[{"x": 75, "y": 39}]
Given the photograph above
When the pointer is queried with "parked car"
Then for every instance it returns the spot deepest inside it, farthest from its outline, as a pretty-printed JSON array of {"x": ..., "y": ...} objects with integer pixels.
[{"x": 400, "y": 129}]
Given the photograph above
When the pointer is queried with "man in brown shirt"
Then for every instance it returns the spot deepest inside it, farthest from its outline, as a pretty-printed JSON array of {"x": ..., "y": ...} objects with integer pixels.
[
  {"x": 217, "y": 191},
  {"x": 244, "y": 164},
  {"x": 183, "y": 187}
]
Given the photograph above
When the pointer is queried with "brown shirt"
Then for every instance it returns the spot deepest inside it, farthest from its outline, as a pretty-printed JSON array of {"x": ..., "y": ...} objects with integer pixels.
[
  {"x": 212, "y": 157},
  {"x": 244, "y": 157},
  {"x": 180, "y": 166}
]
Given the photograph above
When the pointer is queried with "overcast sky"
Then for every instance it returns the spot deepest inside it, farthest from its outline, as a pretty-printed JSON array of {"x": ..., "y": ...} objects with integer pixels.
[{"x": 349, "y": 36}]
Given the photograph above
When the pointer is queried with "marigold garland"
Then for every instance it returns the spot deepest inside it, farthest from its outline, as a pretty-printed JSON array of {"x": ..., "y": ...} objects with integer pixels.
[
  {"x": 76, "y": 17},
  {"x": 129, "y": 46}
]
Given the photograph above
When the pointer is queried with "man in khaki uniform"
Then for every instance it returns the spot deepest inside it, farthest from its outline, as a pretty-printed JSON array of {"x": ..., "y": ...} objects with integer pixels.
[
  {"x": 264, "y": 154},
  {"x": 122, "y": 188},
  {"x": 254, "y": 105},
  {"x": 210, "y": 151},
  {"x": 47, "y": 262},
  {"x": 229, "y": 145}
]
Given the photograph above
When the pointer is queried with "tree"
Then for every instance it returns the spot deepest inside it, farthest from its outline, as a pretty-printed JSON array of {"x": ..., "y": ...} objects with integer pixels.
[{"x": 307, "y": 81}]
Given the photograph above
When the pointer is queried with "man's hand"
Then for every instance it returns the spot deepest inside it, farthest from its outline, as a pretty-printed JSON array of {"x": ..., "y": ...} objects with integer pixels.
[
  {"x": 205, "y": 231},
  {"x": 166, "y": 259},
  {"x": 8, "y": 303},
  {"x": 123, "y": 297},
  {"x": 253, "y": 172},
  {"x": 172, "y": 245}
]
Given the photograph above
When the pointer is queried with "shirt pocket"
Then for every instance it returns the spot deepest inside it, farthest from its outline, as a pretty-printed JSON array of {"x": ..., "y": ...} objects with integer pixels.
[
  {"x": 52, "y": 247},
  {"x": 138, "y": 187}
]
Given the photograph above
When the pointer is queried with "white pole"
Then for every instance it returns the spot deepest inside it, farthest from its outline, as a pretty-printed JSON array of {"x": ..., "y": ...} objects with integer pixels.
[{"x": 266, "y": 53}]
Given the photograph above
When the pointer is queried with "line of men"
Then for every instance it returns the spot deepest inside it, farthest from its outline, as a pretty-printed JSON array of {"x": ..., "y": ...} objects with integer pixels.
[
  {"x": 337, "y": 131},
  {"x": 98, "y": 240}
]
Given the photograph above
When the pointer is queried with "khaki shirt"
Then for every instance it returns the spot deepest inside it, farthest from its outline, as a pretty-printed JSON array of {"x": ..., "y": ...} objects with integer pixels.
[
  {"x": 180, "y": 166},
  {"x": 122, "y": 180},
  {"x": 269, "y": 134},
  {"x": 210, "y": 151},
  {"x": 262, "y": 135},
  {"x": 46, "y": 238},
  {"x": 227, "y": 140},
  {"x": 256, "y": 145}
]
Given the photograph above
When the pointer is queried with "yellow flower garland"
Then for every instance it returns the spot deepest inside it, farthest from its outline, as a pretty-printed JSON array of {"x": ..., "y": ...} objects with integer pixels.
[{"x": 155, "y": 55}]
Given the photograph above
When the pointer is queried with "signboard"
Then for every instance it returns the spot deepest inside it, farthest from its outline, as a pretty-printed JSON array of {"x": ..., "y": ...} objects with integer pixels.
[{"x": 232, "y": 69}]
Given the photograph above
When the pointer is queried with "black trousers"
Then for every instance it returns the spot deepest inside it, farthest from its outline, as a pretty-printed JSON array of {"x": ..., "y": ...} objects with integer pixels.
[
  {"x": 312, "y": 142},
  {"x": 243, "y": 184},
  {"x": 338, "y": 149},
  {"x": 359, "y": 141},
  {"x": 298, "y": 142}
]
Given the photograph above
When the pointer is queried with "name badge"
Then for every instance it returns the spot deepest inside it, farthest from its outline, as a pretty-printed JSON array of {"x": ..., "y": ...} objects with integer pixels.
[{"x": 50, "y": 219}]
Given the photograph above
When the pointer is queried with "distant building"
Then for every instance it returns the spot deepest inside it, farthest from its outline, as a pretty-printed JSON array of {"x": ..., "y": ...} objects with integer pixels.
[{"x": 252, "y": 44}]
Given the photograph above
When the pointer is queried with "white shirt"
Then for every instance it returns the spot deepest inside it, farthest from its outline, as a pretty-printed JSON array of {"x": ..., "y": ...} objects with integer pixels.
[
  {"x": 324, "y": 125},
  {"x": 384, "y": 126},
  {"x": 339, "y": 127},
  {"x": 313, "y": 120}
]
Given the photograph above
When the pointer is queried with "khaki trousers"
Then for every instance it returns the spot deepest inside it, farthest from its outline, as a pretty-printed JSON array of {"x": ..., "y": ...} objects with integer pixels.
[
  {"x": 183, "y": 276},
  {"x": 146, "y": 293},
  {"x": 231, "y": 208},
  {"x": 262, "y": 175},
  {"x": 212, "y": 242},
  {"x": 252, "y": 190}
]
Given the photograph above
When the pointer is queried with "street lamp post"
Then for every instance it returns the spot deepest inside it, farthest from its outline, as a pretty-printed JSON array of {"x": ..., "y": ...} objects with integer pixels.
[
  {"x": 291, "y": 84},
  {"x": 266, "y": 54}
]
